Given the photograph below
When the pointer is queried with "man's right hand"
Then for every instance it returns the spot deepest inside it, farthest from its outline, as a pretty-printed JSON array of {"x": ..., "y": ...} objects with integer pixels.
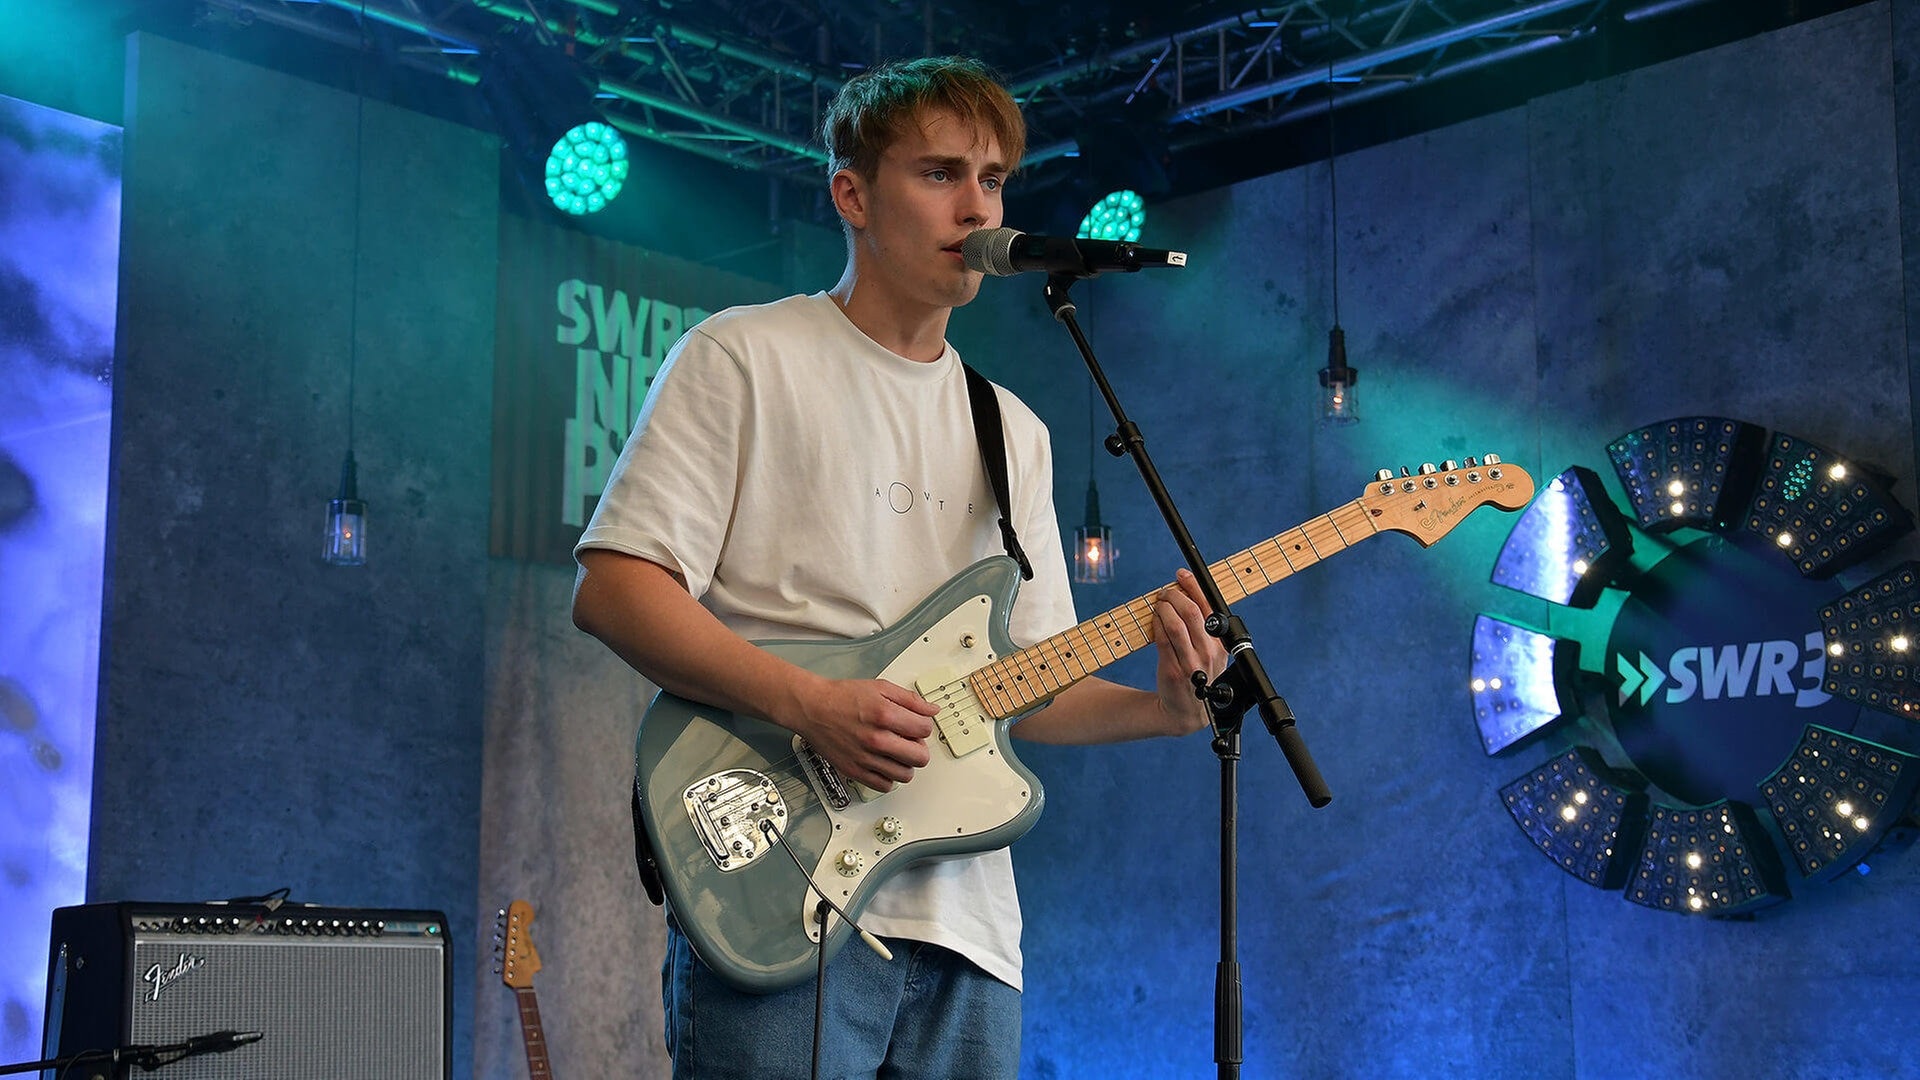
[{"x": 871, "y": 730}]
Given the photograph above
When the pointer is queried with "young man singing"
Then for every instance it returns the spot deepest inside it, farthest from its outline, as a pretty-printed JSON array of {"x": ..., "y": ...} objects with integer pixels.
[{"x": 808, "y": 469}]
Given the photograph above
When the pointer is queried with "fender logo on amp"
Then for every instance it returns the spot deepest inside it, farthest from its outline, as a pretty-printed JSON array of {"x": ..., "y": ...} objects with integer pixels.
[{"x": 159, "y": 978}]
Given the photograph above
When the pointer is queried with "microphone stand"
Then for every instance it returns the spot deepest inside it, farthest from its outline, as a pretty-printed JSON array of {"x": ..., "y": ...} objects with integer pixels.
[{"x": 1243, "y": 685}]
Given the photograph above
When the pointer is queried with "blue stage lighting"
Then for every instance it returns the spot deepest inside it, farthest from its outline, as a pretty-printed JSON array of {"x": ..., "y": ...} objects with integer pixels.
[
  {"x": 1835, "y": 796},
  {"x": 1697, "y": 471},
  {"x": 1586, "y": 816},
  {"x": 1522, "y": 681},
  {"x": 1873, "y": 635},
  {"x": 1568, "y": 544},
  {"x": 1707, "y": 860},
  {"x": 1823, "y": 512}
]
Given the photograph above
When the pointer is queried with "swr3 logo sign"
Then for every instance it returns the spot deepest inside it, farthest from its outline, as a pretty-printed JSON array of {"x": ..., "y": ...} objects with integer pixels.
[{"x": 1755, "y": 668}]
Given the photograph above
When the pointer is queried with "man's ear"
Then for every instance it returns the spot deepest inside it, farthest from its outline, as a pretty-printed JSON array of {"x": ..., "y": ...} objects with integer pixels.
[{"x": 850, "y": 197}]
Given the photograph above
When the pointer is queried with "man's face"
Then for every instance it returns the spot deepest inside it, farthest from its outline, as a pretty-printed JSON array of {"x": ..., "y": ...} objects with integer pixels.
[{"x": 939, "y": 181}]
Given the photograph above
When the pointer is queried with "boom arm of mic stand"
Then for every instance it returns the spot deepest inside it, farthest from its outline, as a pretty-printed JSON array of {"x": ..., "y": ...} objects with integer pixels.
[{"x": 1250, "y": 687}]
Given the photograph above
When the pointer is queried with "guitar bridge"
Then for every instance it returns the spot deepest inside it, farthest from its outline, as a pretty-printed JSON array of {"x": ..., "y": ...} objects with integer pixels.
[{"x": 727, "y": 810}]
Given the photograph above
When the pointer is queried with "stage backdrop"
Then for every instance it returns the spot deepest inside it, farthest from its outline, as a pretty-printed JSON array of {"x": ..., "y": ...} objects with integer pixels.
[
  {"x": 1706, "y": 236},
  {"x": 582, "y": 327},
  {"x": 265, "y": 719},
  {"x": 59, "y": 249}
]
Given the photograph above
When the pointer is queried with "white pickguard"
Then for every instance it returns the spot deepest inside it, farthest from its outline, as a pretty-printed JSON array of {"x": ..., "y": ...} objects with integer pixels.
[{"x": 952, "y": 796}]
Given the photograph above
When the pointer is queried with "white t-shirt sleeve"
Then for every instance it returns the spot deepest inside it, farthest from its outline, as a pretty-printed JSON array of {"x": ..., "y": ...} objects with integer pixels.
[{"x": 670, "y": 497}]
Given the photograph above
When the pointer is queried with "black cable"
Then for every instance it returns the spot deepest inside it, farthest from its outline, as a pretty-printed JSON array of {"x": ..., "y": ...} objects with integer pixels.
[
  {"x": 819, "y": 985},
  {"x": 769, "y": 829}
]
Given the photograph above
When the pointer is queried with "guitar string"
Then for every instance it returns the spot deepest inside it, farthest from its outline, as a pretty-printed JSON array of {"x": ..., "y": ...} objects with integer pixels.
[
  {"x": 789, "y": 777},
  {"x": 1067, "y": 648}
]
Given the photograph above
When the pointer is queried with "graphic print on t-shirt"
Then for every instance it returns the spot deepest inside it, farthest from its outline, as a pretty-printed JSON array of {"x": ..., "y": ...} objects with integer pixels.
[{"x": 902, "y": 498}]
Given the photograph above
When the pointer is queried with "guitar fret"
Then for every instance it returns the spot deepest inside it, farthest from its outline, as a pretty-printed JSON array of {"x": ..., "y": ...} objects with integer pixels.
[
  {"x": 532, "y": 1035},
  {"x": 1014, "y": 683},
  {"x": 1241, "y": 567},
  {"x": 1344, "y": 542}
]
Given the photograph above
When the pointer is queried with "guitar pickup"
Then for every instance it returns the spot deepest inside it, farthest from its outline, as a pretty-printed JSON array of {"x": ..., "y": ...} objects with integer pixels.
[{"x": 960, "y": 722}]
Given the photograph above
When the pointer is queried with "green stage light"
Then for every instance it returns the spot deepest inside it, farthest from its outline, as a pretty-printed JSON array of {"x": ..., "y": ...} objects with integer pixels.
[
  {"x": 586, "y": 168},
  {"x": 1118, "y": 216}
]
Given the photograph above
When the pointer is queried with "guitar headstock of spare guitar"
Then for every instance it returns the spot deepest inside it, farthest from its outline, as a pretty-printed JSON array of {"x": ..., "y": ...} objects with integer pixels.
[
  {"x": 1427, "y": 504},
  {"x": 515, "y": 959}
]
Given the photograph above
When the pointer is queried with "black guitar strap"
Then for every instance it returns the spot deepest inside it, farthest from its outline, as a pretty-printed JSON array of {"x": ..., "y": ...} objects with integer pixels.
[{"x": 993, "y": 452}]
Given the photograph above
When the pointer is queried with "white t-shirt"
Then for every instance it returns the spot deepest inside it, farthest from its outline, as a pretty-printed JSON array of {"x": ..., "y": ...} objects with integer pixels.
[{"x": 808, "y": 483}]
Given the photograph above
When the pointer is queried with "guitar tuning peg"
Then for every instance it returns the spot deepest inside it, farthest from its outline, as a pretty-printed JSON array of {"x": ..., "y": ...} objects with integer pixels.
[
  {"x": 1449, "y": 465},
  {"x": 1426, "y": 468},
  {"x": 1490, "y": 459},
  {"x": 1404, "y": 472},
  {"x": 1472, "y": 462},
  {"x": 1383, "y": 475}
]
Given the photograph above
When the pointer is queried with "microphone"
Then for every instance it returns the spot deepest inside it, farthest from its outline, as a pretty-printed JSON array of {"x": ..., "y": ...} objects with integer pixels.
[
  {"x": 150, "y": 1058},
  {"x": 1006, "y": 251}
]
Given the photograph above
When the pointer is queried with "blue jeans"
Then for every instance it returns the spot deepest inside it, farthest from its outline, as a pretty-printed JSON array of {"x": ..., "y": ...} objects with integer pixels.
[{"x": 929, "y": 1014}]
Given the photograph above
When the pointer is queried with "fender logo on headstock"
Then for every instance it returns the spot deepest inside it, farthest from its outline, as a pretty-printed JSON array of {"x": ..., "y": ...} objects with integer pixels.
[{"x": 1437, "y": 515}]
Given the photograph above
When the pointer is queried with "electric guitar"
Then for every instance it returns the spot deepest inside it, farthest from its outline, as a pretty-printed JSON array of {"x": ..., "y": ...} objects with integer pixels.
[
  {"x": 715, "y": 792},
  {"x": 518, "y": 962}
]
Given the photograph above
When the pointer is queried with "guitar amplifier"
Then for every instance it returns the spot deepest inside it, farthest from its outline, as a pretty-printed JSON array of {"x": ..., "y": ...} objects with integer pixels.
[{"x": 334, "y": 992}]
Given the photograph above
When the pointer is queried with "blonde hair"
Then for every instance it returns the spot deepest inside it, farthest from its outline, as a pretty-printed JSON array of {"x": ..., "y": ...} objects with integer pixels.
[{"x": 872, "y": 110}]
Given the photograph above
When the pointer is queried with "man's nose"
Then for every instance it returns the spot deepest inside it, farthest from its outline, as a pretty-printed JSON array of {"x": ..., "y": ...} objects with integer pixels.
[{"x": 975, "y": 206}]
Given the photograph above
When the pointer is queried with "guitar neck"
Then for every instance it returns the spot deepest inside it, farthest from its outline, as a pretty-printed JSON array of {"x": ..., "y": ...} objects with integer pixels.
[
  {"x": 530, "y": 1033},
  {"x": 1017, "y": 683}
]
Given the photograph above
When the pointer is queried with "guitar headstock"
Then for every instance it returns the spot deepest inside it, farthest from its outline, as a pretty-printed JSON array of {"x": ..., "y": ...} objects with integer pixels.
[
  {"x": 518, "y": 960},
  {"x": 1427, "y": 504}
]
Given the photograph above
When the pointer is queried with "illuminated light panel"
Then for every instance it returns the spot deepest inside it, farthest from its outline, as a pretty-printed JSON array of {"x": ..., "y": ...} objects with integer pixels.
[
  {"x": 1521, "y": 681},
  {"x": 1567, "y": 543},
  {"x": 1828, "y": 523},
  {"x": 1869, "y": 631},
  {"x": 1835, "y": 796},
  {"x": 1119, "y": 215},
  {"x": 586, "y": 168},
  {"x": 1708, "y": 860},
  {"x": 1696, "y": 471},
  {"x": 1584, "y": 815}
]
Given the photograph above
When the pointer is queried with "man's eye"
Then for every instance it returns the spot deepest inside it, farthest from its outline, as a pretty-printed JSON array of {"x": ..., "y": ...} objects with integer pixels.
[
  {"x": 938, "y": 174},
  {"x": 992, "y": 183}
]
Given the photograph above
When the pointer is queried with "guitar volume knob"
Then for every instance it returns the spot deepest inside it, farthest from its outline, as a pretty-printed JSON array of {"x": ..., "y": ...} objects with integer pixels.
[
  {"x": 888, "y": 829},
  {"x": 849, "y": 863}
]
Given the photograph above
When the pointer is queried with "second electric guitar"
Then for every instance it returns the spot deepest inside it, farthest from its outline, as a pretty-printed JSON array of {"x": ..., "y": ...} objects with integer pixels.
[{"x": 713, "y": 788}]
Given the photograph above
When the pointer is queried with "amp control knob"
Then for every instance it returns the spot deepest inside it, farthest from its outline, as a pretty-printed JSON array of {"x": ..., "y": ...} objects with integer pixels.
[{"x": 849, "y": 863}]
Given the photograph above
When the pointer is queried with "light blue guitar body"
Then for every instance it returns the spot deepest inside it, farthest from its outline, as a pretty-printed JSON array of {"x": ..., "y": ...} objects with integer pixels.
[{"x": 707, "y": 780}]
